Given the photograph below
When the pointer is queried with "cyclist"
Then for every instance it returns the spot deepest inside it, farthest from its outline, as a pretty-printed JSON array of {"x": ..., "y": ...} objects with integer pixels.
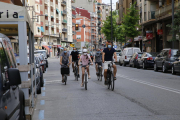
[
  {"x": 107, "y": 57},
  {"x": 74, "y": 56},
  {"x": 64, "y": 61},
  {"x": 85, "y": 61},
  {"x": 98, "y": 59}
]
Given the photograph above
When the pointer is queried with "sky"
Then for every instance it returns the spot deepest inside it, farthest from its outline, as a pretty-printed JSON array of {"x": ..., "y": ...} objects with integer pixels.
[{"x": 108, "y": 2}]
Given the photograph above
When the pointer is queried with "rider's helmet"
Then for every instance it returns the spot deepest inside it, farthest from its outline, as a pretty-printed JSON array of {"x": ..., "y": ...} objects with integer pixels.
[{"x": 85, "y": 51}]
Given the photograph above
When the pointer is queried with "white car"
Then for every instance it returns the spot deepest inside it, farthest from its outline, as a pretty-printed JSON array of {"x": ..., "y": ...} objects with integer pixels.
[{"x": 127, "y": 54}]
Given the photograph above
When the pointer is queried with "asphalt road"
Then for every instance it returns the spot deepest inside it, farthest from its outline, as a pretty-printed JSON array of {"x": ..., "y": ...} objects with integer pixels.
[{"x": 138, "y": 95}]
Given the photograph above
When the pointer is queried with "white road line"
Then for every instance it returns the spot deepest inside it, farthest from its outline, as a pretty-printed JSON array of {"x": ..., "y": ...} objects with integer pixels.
[
  {"x": 151, "y": 84},
  {"x": 53, "y": 81}
]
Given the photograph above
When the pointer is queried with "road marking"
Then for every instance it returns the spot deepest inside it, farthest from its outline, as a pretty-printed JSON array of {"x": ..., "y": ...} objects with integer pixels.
[
  {"x": 41, "y": 115},
  {"x": 42, "y": 102},
  {"x": 53, "y": 81},
  {"x": 151, "y": 84}
]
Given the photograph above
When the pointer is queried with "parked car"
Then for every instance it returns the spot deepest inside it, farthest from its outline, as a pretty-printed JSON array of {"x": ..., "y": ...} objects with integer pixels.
[
  {"x": 134, "y": 60},
  {"x": 45, "y": 55},
  {"x": 127, "y": 54},
  {"x": 38, "y": 85},
  {"x": 42, "y": 61},
  {"x": 12, "y": 102},
  {"x": 146, "y": 60},
  {"x": 176, "y": 64},
  {"x": 39, "y": 68},
  {"x": 165, "y": 59}
]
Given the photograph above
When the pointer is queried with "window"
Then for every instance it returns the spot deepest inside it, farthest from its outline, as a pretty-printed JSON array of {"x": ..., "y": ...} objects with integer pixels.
[
  {"x": 78, "y": 36},
  {"x": 130, "y": 52},
  {"x": 78, "y": 22},
  {"x": 3, "y": 65}
]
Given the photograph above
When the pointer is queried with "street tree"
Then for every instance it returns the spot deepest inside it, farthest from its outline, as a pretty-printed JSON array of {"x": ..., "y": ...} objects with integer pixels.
[
  {"x": 130, "y": 23},
  {"x": 106, "y": 28},
  {"x": 176, "y": 27}
]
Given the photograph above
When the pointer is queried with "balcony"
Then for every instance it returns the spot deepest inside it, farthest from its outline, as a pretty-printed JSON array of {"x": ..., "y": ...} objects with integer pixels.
[
  {"x": 56, "y": 5},
  {"x": 64, "y": 30},
  {"x": 151, "y": 15},
  {"x": 73, "y": 16},
  {"x": 99, "y": 17},
  {"x": 166, "y": 11},
  {"x": 63, "y": 3},
  {"x": 51, "y": 3},
  {"x": 46, "y": 1},
  {"x": 64, "y": 12},
  {"x": 52, "y": 13},
  {"x": 73, "y": 8},
  {"x": 46, "y": 32},
  {"x": 64, "y": 21},
  {"x": 99, "y": 22},
  {"x": 98, "y": 11},
  {"x": 73, "y": 24},
  {"x": 46, "y": 11}
]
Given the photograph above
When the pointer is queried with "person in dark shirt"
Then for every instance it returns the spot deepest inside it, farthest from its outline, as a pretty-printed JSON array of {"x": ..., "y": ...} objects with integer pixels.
[
  {"x": 107, "y": 57},
  {"x": 75, "y": 58}
]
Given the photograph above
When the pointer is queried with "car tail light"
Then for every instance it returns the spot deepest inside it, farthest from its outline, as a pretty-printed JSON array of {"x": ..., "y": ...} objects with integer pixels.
[
  {"x": 150, "y": 58},
  {"x": 136, "y": 57},
  {"x": 169, "y": 55},
  {"x": 125, "y": 57}
]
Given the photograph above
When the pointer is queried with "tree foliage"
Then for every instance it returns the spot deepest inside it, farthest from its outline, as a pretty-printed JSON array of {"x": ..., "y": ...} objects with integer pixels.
[
  {"x": 176, "y": 27},
  {"x": 106, "y": 29},
  {"x": 130, "y": 22}
]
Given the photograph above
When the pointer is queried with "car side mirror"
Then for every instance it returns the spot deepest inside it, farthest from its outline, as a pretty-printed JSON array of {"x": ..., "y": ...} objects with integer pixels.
[{"x": 14, "y": 76}]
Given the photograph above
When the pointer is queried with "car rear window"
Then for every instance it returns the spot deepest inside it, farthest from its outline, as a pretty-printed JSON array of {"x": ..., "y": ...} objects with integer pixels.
[
  {"x": 139, "y": 55},
  {"x": 118, "y": 50},
  {"x": 175, "y": 53},
  {"x": 130, "y": 52}
]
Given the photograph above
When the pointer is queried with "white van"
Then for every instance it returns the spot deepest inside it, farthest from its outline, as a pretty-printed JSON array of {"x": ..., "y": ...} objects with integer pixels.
[{"x": 127, "y": 54}]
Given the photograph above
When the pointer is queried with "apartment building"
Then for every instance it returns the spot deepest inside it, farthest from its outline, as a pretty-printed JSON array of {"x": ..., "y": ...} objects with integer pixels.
[{"x": 83, "y": 35}]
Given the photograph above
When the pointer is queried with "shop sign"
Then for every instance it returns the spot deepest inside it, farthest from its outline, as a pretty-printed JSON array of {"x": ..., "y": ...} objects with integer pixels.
[
  {"x": 160, "y": 32},
  {"x": 72, "y": 45},
  {"x": 139, "y": 37},
  {"x": 58, "y": 46},
  {"x": 149, "y": 35},
  {"x": 54, "y": 45}
]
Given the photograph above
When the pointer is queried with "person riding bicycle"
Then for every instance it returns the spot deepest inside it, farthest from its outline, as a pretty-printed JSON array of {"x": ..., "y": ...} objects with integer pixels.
[
  {"x": 64, "y": 61},
  {"x": 98, "y": 59},
  {"x": 107, "y": 58},
  {"x": 84, "y": 58},
  {"x": 75, "y": 58}
]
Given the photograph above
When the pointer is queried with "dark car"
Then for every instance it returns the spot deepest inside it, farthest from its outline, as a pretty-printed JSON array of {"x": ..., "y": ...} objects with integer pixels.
[
  {"x": 39, "y": 69},
  {"x": 146, "y": 60},
  {"x": 176, "y": 64},
  {"x": 165, "y": 59},
  {"x": 134, "y": 60},
  {"x": 12, "y": 102}
]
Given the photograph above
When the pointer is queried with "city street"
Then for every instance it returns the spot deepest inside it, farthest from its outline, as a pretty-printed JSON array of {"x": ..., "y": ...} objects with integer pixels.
[{"x": 138, "y": 95}]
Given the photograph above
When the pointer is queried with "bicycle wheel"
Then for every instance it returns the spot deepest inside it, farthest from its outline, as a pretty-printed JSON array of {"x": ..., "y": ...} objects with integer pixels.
[
  {"x": 108, "y": 79},
  {"x": 112, "y": 81},
  {"x": 65, "y": 79},
  {"x": 85, "y": 82}
]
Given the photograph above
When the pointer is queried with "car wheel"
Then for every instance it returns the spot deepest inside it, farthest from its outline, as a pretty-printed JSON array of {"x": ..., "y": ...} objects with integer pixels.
[
  {"x": 144, "y": 67},
  {"x": 124, "y": 64},
  {"x": 42, "y": 81},
  {"x": 164, "y": 68},
  {"x": 39, "y": 89},
  {"x": 120, "y": 63},
  {"x": 173, "y": 72},
  {"x": 155, "y": 67},
  {"x": 22, "y": 115}
]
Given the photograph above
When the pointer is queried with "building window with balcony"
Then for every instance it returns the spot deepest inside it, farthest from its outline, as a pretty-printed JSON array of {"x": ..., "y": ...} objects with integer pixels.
[
  {"x": 46, "y": 28},
  {"x": 52, "y": 19},
  {"x": 46, "y": 17},
  {"x": 78, "y": 36}
]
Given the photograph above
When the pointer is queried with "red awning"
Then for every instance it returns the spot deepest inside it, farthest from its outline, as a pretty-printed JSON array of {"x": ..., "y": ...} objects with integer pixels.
[{"x": 47, "y": 48}]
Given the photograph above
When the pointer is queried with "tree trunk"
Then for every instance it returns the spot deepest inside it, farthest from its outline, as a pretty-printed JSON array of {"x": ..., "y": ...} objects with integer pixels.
[{"x": 133, "y": 42}]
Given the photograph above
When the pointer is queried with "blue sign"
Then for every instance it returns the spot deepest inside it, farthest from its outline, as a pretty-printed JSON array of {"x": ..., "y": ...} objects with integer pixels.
[
  {"x": 83, "y": 26},
  {"x": 115, "y": 46}
]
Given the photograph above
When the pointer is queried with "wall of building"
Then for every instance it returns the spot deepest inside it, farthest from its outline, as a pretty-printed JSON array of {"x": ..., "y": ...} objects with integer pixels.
[{"x": 84, "y": 4}]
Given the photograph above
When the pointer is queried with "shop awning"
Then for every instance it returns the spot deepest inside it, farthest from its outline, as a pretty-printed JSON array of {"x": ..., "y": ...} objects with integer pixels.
[
  {"x": 47, "y": 48},
  {"x": 57, "y": 10},
  {"x": 42, "y": 29},
  {"x": 52, "y": 17}
]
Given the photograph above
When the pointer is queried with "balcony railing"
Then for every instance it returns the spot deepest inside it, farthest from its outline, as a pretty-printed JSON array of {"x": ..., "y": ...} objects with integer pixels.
[
  {"x": 51, "y": 3},
  {"x": 63, "y": 3},
  {"x": 166, "y": 10},
  {"x": 64, "y": 30},
  {"x": 73, "y": 16},
  {"x": 46, "y": 11},
  {"x": 99, "y": 22},
  {"x": 64, "y": 21},
  {"x": 73, "y": 8},
  {"x": 46, "y": 32},
  {"x": 64, "y": 12},
  {"x": 98, "y": 11},
  {"x": 151, "y": 15},
  {"x": 56, "y": 5},
  {"x": 52, "y": 13},
  {"x": 99, "y": 17},
  {"x": 46, "y": 1}
]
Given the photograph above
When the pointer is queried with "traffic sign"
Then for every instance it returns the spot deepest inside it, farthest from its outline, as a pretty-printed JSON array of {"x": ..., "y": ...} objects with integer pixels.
[
  {"x": 115, "y": 46},
  {"x": 83, "y": 26}
]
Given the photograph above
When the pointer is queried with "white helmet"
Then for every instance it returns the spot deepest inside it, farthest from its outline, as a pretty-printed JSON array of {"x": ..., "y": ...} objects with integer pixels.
[{"x": 84, "y": 50}]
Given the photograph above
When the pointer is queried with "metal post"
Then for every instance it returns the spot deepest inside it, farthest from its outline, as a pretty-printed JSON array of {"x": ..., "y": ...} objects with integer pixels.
[
  {"x": 91, "y": 36},
  {"x": 111, "y": 25},
  {"x": 142, "y": 37},
  {"x": 49, "y": 40},
  {"x": 173, "y": 23}
]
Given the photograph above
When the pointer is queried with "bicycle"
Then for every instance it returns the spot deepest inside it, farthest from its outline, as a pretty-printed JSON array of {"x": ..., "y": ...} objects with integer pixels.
[
  {"x": 110, "y": 76},
  {"x": 99, "y": 74},
  {"x": 76, "y": 71},
  {"x": 85, "y": 76},
  {"x": 66, "y": 69}
]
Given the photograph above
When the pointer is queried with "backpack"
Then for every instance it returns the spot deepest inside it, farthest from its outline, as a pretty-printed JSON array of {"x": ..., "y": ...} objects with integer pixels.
[{"x": 98, "y": 57}]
